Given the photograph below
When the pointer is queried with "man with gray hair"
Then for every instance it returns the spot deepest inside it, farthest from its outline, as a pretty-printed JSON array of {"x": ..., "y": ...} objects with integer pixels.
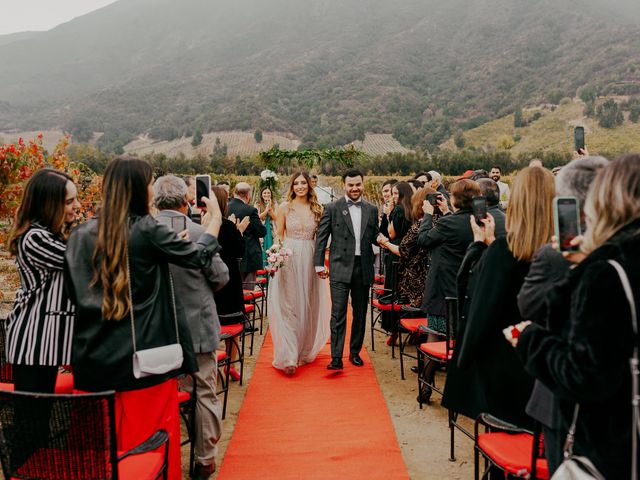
[
  {"x": 240, "y": 206},
  {"x": 436, "y": 184},
  {"x": 194, "y": 290},
  {"x": 547, "y": 268}
]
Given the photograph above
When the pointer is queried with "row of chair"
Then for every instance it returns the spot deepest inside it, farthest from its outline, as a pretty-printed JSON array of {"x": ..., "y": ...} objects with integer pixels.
[
  {"x": 67, "y": 435},
  {"x": 516, "y": 452}
]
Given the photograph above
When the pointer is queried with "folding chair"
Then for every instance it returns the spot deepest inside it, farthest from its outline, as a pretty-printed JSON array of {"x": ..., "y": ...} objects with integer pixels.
[
  {"x": 187, "y": 400},
  {"x": 223, "y": 377},
  {"x": 410, "y": 326},
  {"x": 233, "y": 333},
  {"x": 45, "y": 436},
  {"x": 516, "y": 452},
  {"x": 394, "y": 306},
  {"x": 438, "y": 352}
]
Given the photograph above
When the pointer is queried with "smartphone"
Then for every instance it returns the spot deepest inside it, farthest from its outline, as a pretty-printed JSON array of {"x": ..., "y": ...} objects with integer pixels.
[
  {"x": 566, "y": 219},
  {"x": 578, "y": 138},
  {"x": 177, "y": 224},
  {"x": 479, "y": 209},
  {"x": 203, "y": 187},
  {"x": 432, "y": 198}
]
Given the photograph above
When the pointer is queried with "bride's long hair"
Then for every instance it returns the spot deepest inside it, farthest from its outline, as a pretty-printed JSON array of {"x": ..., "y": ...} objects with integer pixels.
[{"x": 316, "y": 208}]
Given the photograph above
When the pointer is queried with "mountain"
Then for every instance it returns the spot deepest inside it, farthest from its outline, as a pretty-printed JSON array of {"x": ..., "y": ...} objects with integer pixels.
[{"x": 326, "y": 71}]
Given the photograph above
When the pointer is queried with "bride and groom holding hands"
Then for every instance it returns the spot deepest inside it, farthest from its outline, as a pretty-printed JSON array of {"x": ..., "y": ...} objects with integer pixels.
[{"x": 304, "y": 311}]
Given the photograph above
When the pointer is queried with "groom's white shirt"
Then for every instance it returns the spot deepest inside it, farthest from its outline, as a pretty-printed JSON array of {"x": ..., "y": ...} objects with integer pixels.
[{"x": 356, "y": 221}]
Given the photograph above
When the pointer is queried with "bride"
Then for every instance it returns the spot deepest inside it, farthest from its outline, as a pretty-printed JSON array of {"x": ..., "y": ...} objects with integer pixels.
[{"x": 299, "y": 306}]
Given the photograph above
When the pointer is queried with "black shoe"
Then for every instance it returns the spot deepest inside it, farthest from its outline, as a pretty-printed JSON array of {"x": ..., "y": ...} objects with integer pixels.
[
  {"x": 425, "y": 394},
  {"x": 336, "y": 364},
  {"x": 203, "y": 472},
  {"x": 356, "y": 360},
  {"x": 249, "y": 328},
  {"x": 414, "y": 369}
]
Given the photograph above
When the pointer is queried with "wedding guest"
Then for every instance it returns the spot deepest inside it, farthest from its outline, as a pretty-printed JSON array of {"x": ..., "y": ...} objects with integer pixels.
[
  {"x": 40, "y": 325},
  {"x": 252, "y": 259},
  {"x": 400, "y": 221},
  {"x": 387, "y": 207},
  {"x": 505, "y": 193},
  {"x": 194, "y": 288},
  {"x": 447, "y": 243},
  {"x": 230, "y": 298},
  {"x": 266, "y": 207},
  {"x": 549, "y": 267},
  {"x": 423, "y": 177},
  {"x": 190, "y": 181},
  {"x": 436, "y": 183},
  {"x": 581, "y": 365},
  {"x": 117, "y": 266},
  {"x": 414, "y": 260},
  {"x": 504, "y": 384},
  {"x": 225, "y": 185},
  {"x": 490, "y": 191}
]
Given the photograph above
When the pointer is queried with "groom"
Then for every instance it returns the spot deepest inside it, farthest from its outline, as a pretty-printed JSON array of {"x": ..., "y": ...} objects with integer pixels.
[{"x": 352, "y": 225}]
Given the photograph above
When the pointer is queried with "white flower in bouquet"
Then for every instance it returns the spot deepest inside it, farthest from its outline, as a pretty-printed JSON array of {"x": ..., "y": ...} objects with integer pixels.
[{"x": 268, "y": 175}]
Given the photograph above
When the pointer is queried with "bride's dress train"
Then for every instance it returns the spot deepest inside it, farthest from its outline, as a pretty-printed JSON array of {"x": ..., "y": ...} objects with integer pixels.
[{"x": 299, "y": 303}]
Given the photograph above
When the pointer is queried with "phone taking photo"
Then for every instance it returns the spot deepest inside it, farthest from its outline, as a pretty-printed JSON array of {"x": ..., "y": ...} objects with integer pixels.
[
  {"x": 432, "y": 198},
  {"x": 479, "y": 209},
  {"x": 203, "y": 189},
  {"x": 566, "y": 219},
  {"x": 578, "y": 138}
]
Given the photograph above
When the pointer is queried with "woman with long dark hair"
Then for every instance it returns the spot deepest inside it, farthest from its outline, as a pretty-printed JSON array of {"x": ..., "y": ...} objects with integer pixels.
[
  {"x": 230, "y": 298},
  {"x": 299, "y": 306},
  {"x": 120, "y": 282},
  {"x": 40, "y": 325}
]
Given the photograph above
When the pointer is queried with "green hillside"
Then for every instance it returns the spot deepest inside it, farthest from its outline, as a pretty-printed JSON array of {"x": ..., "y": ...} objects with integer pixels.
[
  {"x": 553, "y": 131},
  {"x": 326, "y": 71}
]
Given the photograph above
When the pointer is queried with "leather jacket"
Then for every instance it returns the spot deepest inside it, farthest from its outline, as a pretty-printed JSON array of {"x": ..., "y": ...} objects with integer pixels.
[{"x": 103, "y": 350}]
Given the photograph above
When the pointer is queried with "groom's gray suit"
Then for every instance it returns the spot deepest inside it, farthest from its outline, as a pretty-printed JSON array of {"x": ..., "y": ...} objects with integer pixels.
[{"x": 348, "y": 273}]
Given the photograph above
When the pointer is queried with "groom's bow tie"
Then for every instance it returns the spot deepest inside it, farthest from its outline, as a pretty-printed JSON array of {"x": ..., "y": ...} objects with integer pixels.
[{"x": 351, "y": 203}]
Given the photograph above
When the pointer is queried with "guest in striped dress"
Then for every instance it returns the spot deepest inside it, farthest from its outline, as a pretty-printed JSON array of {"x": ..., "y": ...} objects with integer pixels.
[{"x": 40, "y": 326}]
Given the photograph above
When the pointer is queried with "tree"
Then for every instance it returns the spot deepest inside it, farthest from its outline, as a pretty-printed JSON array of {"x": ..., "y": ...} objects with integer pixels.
[
  {"x": 458, "y": 139},
  {"x": 219, "y": 154},
  {"x": 609, "y": 114},
  {"x": 506, "y": 142},
  {"x": 257, "y": 135},
  {"x": 587, "y": 94},
  {"x": 80, "y": 129},
  {"x": 197, "y": 138},
  {"x": 517, "y": 117}
]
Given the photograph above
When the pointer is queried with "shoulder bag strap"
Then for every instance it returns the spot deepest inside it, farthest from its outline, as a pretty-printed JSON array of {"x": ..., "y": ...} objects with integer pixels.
[
  {"x": 173, "y": 306},
  {"x": 635, "y": 371}
]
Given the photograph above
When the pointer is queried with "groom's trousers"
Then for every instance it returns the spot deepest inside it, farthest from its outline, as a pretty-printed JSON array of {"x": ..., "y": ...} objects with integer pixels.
[{"x": 339, "y": 301}]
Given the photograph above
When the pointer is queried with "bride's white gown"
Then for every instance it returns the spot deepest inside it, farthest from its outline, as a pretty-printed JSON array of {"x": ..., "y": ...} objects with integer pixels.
[{"x": 299, "y": 303}]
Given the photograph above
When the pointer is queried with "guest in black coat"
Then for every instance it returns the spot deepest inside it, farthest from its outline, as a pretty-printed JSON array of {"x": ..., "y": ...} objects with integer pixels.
[
  {"x": 230, "y": 298},
  {"x": 491, "y": 192},
  {"x": 548, "y": 268},
  {"x": 583, "y": 354},
  {"x": 447, "y": 243},
  {"x": 240, "y": 208},
  {"x": 503, "y": 387}
]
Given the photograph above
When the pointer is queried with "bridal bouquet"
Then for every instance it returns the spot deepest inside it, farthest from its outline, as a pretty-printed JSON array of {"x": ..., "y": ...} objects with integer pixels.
[{"x": 277, "y": 255}]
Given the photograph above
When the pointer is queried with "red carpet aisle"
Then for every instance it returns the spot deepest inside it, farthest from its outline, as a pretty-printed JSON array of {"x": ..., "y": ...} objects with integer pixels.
[{"x": 315, "y": 425}]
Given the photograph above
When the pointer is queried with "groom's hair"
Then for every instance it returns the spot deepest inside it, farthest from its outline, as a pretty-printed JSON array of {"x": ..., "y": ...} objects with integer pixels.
[{"x": 352, "y": 172}]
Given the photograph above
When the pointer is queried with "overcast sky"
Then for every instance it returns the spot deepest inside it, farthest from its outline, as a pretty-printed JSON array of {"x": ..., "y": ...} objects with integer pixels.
[{"x": 23, "y": 15}]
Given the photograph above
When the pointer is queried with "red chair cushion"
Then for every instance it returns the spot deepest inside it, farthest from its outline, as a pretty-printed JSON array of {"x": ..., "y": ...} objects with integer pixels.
[
  {"x": 255, "y": 293},
  {"x": 231, "y": 330},
  {"x": 386, "y": 307},
  {"x": 379, "y": 279},
  {"x": 141, "y": 467},
  {"x": 512, "y": 453},
  {"x": 436, "y": 350},
  {"x": 261, "y": 272},
  {"x": 136, "y": 467},
  {"x": 261, "y": 280},
  {"x": 184, "y": 396},
  {"x": 412, "y": 324},
  {"x": 248, "y": 308},
  {"x": 64, "y": 384},
  {"x": 248, "y": 296},
  {"x": 221, "y": 355}
]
